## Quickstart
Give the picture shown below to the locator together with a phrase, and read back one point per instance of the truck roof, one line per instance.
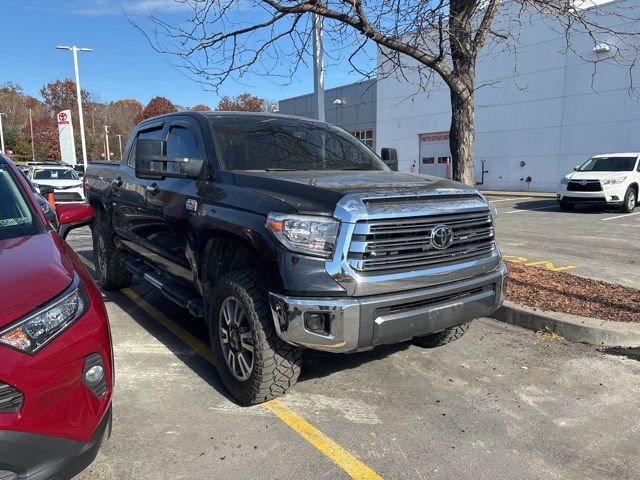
(208, 115)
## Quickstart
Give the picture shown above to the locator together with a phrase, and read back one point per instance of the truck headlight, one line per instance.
(564, 181)
(613, 181)
(306, 234)
(32, 333)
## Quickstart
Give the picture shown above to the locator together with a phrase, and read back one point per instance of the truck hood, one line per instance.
(34, 270)
(318, 192)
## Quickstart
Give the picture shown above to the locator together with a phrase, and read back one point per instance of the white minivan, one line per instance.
(610, 179)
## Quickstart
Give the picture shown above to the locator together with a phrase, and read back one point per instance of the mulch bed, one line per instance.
(566, 293)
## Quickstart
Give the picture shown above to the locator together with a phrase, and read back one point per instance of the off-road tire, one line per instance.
(441, 338)
(111, 275)
(567, 206)
(276, 364)
(629, 201)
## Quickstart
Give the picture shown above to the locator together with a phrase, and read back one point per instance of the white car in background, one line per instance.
(610, 180)
(67, 185)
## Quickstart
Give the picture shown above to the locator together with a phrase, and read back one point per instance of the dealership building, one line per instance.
(540, 110)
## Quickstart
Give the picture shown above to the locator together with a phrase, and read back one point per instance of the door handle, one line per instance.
(117, 182)
(152, 189)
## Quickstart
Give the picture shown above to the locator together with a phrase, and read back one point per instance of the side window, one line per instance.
(153, 132)
(182, 142)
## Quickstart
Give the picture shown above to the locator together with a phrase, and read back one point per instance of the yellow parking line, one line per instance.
(350, 464)
(341, 457)
(543, 263)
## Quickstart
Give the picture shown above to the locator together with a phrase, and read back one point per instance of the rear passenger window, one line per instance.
(154, 132)
(182, 142)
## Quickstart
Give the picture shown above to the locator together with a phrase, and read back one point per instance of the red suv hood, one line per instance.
(33, 270)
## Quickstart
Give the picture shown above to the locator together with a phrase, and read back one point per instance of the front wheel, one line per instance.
(441, 338)
(629, 202)
(255, 365)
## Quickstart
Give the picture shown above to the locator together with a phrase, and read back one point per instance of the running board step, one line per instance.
(171, 289)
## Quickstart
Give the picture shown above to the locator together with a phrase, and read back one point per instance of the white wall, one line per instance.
(552, 114)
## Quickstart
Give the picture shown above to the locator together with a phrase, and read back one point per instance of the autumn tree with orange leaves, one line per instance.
(200, 108)
(245, 102)
(156, 106)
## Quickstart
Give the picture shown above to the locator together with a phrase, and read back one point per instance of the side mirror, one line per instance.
(73, 215)
(390, 157)
(575, 169)
(152, 161)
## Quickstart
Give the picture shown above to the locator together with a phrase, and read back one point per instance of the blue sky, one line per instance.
(123, 64)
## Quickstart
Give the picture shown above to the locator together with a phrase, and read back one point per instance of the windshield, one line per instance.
(55, 174)
(272, 143)
(16, 217)
(608, 164)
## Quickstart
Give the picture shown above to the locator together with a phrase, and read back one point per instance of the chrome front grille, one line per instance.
(405, 243)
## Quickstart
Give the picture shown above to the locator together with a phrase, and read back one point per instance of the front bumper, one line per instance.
(610, 195)
(69, 195)
(361, 323)
(41, 457)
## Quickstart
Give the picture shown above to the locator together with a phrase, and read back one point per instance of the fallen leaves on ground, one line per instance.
(567, 293)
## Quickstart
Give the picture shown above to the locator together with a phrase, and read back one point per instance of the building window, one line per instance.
(365, 136)
(428, 160)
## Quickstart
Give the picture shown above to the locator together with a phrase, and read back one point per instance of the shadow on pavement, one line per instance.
(315, 364)
(631, 353)
(548, 205)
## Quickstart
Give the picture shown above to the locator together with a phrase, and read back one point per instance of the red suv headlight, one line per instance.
(31, 333)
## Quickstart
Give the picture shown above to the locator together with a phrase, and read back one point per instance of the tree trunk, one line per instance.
(462, 136)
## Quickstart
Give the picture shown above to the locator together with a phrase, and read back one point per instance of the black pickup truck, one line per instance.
(286, 233)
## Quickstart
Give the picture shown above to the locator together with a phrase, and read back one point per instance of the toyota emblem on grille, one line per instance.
(583, 182)
(441, 237)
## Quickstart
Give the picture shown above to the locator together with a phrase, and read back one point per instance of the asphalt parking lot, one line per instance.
(601, 244)
(501, 403)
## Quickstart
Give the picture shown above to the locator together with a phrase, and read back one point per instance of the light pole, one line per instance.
(106, 142)
(1, 135)
(33, 147)
(318, 65)
(120, 144)
(75, 51)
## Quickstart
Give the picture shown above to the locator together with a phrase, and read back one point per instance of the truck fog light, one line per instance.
(94, 375)
(315, 322)
(614, 197)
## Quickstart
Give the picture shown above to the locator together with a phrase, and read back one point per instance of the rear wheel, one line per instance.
(441, 338)
(111, 273)
(567, 206)
(255, 365)
(629, 202)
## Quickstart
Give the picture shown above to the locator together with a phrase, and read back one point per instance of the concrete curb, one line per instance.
(572, 327)
(501, 193)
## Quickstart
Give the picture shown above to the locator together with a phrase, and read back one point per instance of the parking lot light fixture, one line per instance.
(75, 51)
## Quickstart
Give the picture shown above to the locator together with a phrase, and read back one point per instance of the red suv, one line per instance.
(56, 362)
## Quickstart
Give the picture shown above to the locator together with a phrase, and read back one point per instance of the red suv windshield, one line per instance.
(17, 219)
